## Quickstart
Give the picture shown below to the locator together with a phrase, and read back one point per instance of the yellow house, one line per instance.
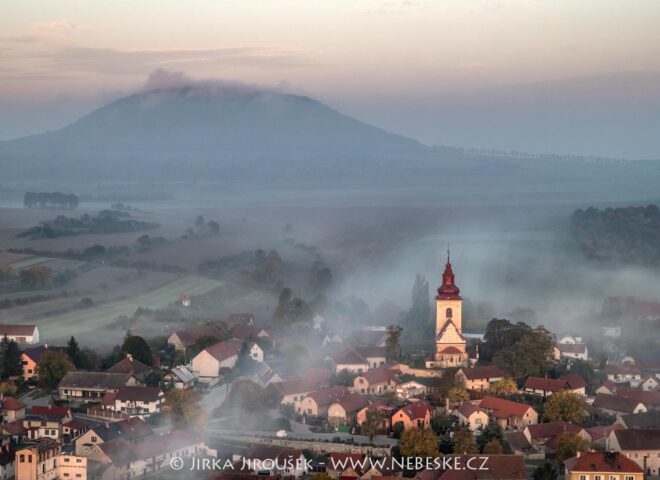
(642, 446)
(479, 378)
(471, 415)
(602, 466)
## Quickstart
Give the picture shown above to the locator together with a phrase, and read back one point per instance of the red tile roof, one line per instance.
(144, 394)
(466, 409)
(326, 396)
(415, 410)
(647, 398)
(572, 382)
(129, 365)
(551, 429)
(503, 408)
(17, 330)
(50, 411)
(224, 350)
(381, 375)
(497, 467)
(10, 403)
(615, 403)
(350, 357)
(607, 462)
(638, 439)
(352, 403)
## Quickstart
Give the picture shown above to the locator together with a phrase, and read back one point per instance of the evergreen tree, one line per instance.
(138, 348)
(392, 344)
(73, 351)
(420, 312)
(12, 365)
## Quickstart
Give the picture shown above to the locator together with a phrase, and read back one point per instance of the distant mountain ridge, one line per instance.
(203, 132)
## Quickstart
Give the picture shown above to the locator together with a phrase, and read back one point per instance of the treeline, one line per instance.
(50, 200)
(619, 235)
(105, 222)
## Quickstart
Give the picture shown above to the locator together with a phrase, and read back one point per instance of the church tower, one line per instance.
(450, 349)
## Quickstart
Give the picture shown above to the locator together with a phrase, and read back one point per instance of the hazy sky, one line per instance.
(390, 62)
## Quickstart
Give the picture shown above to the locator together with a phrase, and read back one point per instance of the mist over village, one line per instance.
(358, 240)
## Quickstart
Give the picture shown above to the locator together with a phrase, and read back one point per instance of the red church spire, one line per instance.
(448, 290)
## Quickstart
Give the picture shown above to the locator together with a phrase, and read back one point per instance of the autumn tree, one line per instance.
(372, 423)
(566, 406)
(491, 432)
(506, 386)
(530, 355)
(457, 395)
(464, 441)
(493, 447)
(52, 367)
(418, 443)
(568, 444)
(393, 342)
(182, 407)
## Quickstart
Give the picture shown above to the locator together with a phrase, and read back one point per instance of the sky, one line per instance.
(458, 72)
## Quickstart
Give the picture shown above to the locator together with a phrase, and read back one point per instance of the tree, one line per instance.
(464, 441)
(52, 367)
(491, 432)
(418, 443)
(568, 444)
(420, 310)
(457, 395)
(245, 397)
(7, 388)
(182, 407)
(529, 355)
(493, 447)
(566, 406)
(372, 423)
(392, 344)
(441, 423)
(11, 358)
(74, 353)
(506, 386)
(138, 348)
(546, 471)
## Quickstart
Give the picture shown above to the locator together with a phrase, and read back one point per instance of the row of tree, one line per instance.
(50, 200)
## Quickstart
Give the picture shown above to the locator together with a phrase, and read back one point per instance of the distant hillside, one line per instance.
(241, 133)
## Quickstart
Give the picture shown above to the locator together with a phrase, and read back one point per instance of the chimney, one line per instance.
(578, 453)
(130, 357)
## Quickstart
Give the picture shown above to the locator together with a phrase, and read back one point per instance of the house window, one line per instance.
(584, 477)
(629, 477)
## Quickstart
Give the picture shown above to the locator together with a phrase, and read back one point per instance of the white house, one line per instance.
(410, 389)
(207, 364)
(577, 351)
(21, 334)
(138, 402)
(255, 352)
(570, 339)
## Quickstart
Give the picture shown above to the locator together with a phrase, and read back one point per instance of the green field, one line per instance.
(97, 317)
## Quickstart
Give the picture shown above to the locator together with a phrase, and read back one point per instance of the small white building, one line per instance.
(180, 377)
(255, 352)
(207, 364)
(21, 334)
(138, 402)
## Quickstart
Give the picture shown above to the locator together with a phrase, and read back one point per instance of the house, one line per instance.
(291, 392)
(518, 444)
(83, 386)
(207, 363)
(414, 415)
(602, 466)
(179, 377)
(135, 401)
(131, 366)
(617, 405)
(578, 351)
(479, 378)
(15, 431)
(344, 410)
(620, 373)
(266, 375)
(131, 430)
(608, 388)
(182, 339)
(570, 340)
(124, 460)
(649, 384)
(507, 413)
(316, 403)
(255, 352)
(351, 361)
(547, 386)
(73, 429)
(45, 461)
(21, 334)
(410, 389)
(650, 419)
(384, 411)
(642, 446)
(376, 382)
(30, 358)
(374, 355)
(600, 434)
(651, 400)
(12, 409)
(282, 462)
(46, 422)
(541, 434)
(471, 415)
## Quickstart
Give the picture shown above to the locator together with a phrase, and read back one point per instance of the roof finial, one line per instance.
(447, 252)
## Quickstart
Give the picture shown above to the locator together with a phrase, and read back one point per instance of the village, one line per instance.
(231, 400)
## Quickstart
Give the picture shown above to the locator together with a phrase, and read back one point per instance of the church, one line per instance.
(450, 345)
